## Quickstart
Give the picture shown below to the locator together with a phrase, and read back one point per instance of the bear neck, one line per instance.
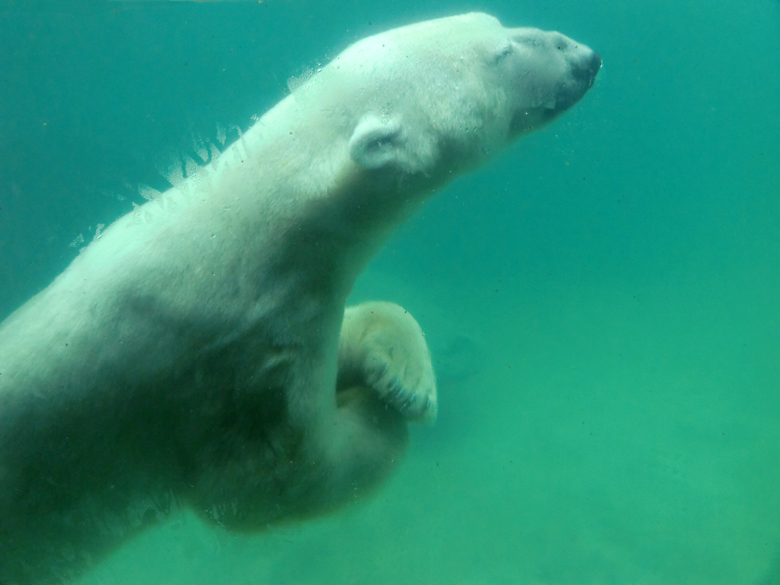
(328, 216)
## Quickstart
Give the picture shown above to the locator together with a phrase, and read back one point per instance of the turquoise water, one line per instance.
(601, 301)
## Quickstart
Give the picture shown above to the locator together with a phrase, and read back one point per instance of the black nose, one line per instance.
(595, 64)
(587, 69)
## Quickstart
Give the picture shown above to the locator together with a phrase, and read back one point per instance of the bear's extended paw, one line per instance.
(383, 347)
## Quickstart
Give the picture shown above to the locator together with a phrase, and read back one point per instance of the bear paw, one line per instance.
(383, 347)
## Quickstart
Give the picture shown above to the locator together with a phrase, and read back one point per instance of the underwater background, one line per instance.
(602, 301)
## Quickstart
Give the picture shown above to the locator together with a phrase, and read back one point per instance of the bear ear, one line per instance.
(377, 143)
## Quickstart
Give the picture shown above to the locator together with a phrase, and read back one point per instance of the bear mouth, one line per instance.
(583, 76)
(529, 119)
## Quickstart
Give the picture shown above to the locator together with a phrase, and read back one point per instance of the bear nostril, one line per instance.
(587, 68)
(594, 66)
(595, 63)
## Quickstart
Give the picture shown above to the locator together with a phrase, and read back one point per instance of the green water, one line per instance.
(601, 302)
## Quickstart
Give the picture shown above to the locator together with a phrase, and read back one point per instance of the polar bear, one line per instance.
(198, 353)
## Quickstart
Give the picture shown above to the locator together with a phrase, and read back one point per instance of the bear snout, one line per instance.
(586, 67)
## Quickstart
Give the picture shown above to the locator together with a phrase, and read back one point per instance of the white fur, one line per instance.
(190, 356)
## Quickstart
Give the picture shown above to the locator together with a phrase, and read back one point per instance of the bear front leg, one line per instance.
(385, 379)
(382, 347)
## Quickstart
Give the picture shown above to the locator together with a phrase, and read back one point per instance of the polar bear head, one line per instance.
(440, 96)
